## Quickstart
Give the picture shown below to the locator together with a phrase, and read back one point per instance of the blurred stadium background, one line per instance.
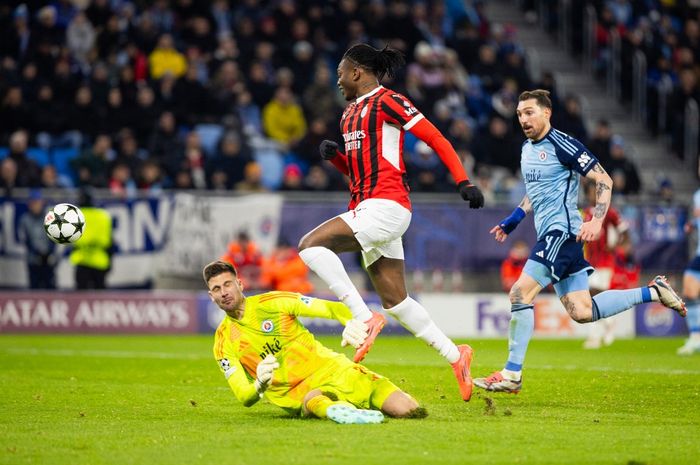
(194, 122)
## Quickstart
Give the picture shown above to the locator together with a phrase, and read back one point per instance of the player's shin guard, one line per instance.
(611, 303)
(329, 268)
(522, 325)
(415, 318)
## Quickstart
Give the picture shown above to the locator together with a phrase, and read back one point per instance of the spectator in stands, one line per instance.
(244, 254)
(41, 254)
(115, 116)
(121, 182)
(514, 263)
(91, 166)
(166, 59)
(50, 179)
(284, 270)
(317, 180)
(14, 113)
(319, 99)
(307, 148)
(570, 120)
(252, 179)
(687, 90)
(623, 172)
(150, 178)
(28, 170)
(497, 146)
(92, 254)
(82, 114)
(230, 161)
(600, 142)
(283, 118)
(129, 152)
(8, 177)
(427, 173)
(80, 38)
(292, 178)
(164, 143)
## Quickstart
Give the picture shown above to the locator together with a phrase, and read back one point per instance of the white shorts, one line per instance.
(600, 279)
(378, 225)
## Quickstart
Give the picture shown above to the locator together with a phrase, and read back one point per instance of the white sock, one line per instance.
(414, 317)
(329, 268)
(511, 375)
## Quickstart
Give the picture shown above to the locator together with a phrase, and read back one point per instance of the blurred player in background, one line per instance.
(92, 254)
(373, 126)
(691, 285)
(513, 264)
(245, 255)
(551, 162)
(602, 255)
(42, 255)
(263, 350)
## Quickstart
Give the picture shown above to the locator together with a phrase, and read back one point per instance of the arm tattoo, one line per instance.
(525, 204)
(600, 209)
(600, 188)
(598, 169)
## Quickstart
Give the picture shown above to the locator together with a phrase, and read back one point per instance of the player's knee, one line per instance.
(582, 313)
(306, 242)
(401, 405)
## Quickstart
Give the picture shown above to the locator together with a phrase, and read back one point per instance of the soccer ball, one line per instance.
(64, 223)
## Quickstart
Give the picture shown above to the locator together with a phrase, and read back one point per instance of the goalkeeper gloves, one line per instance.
(512, 221)
(354, 334)
(328, 149)
(470, 193)
(264, 373)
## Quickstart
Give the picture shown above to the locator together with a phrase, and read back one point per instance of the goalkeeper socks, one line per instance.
(329, 268)
(318, 406)
(611, 303)
(522, 325)
(414, 317)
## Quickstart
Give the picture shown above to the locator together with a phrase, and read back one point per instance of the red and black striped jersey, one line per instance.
(373, 128)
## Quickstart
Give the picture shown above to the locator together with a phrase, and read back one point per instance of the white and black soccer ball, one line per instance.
(64, 223)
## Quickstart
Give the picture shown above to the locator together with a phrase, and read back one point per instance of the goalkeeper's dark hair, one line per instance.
(216, 268)
(382, 62)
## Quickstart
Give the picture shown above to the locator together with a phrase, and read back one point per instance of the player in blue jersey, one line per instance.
(551, 163)
(691, 286)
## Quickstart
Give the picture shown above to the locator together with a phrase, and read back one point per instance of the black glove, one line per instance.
(328, 149)
(470, 193)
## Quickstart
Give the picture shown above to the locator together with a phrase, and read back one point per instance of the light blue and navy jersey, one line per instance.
(550, 167)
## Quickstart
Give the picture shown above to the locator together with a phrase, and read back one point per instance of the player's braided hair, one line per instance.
(381, 63)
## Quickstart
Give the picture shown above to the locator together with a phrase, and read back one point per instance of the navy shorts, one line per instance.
(560, 257)
(694, 265)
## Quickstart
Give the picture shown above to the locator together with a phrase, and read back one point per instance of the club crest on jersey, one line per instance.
(363, 113)
(267, 326)
(543, 156)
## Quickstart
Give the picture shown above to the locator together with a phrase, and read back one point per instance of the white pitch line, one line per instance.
(372, 361)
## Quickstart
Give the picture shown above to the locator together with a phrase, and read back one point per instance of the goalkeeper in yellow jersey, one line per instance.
(263, 350)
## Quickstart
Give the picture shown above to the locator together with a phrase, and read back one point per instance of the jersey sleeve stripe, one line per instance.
(565, 145)
(413, 122)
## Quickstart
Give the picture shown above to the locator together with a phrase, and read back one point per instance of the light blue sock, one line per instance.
(611, 303)
(522, 325)
(692, 319)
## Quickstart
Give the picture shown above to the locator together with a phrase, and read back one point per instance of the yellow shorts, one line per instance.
(344, 381)
(359, 386)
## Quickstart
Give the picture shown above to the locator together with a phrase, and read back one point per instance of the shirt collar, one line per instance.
(368, 94)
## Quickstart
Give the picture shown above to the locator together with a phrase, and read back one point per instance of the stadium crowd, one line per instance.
(222, 95)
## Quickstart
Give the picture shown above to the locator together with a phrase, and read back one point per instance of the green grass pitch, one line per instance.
(161, 400)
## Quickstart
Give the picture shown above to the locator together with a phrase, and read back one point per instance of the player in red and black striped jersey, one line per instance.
(373, 127)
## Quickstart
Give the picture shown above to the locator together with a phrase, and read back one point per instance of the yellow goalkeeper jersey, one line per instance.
(270, 325)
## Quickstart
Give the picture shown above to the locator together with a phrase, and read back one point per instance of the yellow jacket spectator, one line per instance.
(166, 59)
(283, 118)
(91, 254)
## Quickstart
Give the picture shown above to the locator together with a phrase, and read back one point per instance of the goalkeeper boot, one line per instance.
(348, 414)
(495, 382)
(462, 370)
(374, 326)
(667, 296)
